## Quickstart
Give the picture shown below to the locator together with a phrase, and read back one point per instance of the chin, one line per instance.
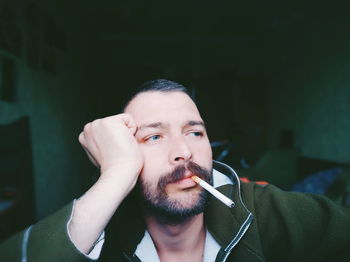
(186, 198)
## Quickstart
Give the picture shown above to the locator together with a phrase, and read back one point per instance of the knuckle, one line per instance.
(86, 128)
(95, 123)
(81, 138)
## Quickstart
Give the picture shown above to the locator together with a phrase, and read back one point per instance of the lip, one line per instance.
(186, 182)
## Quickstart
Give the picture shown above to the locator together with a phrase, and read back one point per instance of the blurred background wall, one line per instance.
(265, 74)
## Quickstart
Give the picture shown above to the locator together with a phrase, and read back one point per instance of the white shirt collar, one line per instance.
(219, 179)
(146, 250)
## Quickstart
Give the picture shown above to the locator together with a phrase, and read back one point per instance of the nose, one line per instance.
(179, 151)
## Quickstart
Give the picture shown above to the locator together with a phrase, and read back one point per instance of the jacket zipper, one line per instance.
(245, 225)
(237, 238)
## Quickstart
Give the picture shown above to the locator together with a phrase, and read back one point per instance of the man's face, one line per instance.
(175, 146)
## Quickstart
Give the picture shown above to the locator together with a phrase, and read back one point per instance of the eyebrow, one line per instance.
(151, 125)
(163, 126)
(194, 123)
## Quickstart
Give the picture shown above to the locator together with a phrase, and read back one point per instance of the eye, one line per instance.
(153, 138)
(197, 133)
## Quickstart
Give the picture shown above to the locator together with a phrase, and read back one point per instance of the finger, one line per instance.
(88, 145)
(81, 139)
(126, 119)
(129, 122)
(83, 143)
(91, 158)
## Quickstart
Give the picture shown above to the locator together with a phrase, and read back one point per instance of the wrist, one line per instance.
(121, 166)
(118, 177)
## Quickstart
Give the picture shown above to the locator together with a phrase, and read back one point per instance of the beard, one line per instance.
(174, 211)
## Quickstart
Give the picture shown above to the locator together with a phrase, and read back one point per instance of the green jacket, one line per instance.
(266, 224)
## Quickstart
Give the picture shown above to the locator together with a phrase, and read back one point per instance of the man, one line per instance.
(156, 212)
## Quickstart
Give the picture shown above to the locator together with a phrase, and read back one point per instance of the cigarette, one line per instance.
(224, 199)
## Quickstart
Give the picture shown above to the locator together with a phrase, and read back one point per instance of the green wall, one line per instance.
(315, 102)
(58, 107)
(308, 66)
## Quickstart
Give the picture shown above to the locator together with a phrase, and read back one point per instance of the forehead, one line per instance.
(154, 106)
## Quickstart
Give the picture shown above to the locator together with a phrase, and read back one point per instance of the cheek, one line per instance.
(148, 182)
(203, 156)
(153, 166)
(209, 151)
(204, 150)
(154, 156)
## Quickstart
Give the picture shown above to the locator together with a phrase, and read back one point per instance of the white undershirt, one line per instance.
(146, 250)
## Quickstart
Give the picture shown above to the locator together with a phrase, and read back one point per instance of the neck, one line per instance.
(184, 239)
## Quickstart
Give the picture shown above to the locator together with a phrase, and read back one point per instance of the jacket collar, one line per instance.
(233, 226)
(223, 222)
(227, 225)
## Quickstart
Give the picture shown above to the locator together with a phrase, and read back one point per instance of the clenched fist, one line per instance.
(110, 143)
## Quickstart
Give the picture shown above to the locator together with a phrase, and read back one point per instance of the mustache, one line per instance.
(179, 173)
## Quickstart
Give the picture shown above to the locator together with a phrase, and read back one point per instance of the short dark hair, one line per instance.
(159, 85)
